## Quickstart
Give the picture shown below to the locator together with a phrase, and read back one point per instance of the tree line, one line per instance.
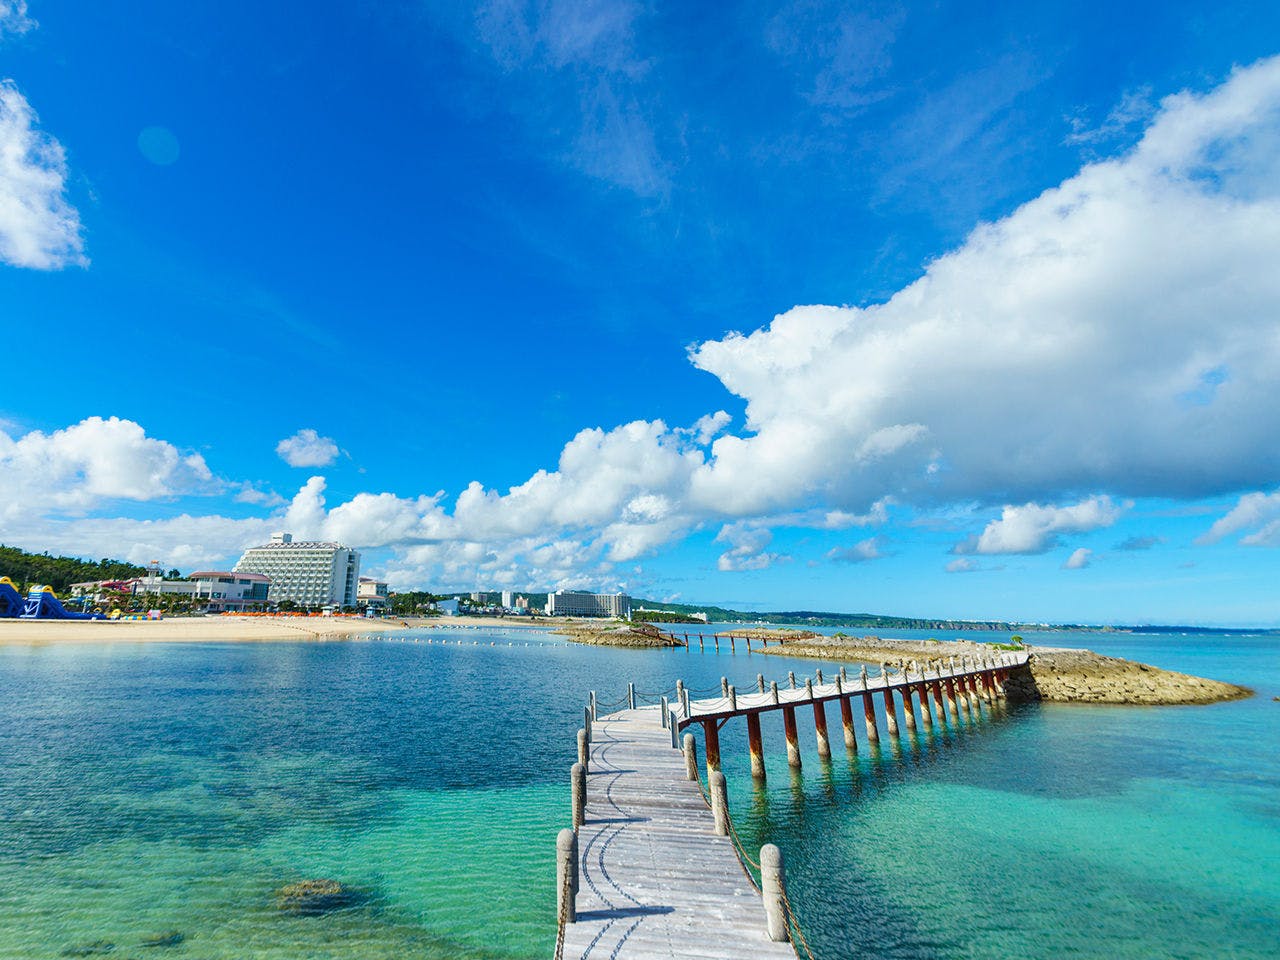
(28, 569)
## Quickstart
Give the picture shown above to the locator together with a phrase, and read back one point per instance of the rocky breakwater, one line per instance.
(1052, 674)
(1082, 676)
(619, 635)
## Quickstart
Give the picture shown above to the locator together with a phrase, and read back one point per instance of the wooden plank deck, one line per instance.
(655, 881)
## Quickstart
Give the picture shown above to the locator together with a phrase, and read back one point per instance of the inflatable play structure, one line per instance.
(39, 604)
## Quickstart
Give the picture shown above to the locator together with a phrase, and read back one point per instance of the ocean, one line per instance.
(166, 792)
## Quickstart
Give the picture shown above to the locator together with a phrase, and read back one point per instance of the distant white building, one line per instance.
(373, 594)
(579, 603)
(223, 589)
(308, 572)
(507, 600)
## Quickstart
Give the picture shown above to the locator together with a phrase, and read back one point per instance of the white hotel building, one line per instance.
(308, 572)
(578, 603)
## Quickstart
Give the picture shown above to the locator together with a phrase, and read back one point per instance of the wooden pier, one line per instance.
(652, 871)
(655, 881)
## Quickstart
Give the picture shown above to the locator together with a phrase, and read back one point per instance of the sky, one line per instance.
(890, 308)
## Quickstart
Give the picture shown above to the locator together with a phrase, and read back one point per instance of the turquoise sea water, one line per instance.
(156, 788)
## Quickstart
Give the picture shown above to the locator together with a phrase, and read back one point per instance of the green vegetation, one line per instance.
(25, 569)
(413, 603)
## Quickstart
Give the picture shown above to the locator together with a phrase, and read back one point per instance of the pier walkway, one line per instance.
(655, 879)
(652, 871)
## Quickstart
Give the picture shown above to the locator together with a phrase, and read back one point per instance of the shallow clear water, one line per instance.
(153, 788)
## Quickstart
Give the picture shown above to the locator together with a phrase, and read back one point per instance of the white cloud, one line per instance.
(1033, 528)
(1083, 343)
(1257, 511)
(38, 227)
(1079, 559)
(13, 17)
(307, 448)
(863, 550)
(961, 565)
(82, 466)
(747, 548)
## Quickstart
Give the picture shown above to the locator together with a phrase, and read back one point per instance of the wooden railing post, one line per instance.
(690, 756)
(719, 802)
(773, 884)
(631, 696)
(755, 745)
(578, 793)
(584, 750)
(566, 875)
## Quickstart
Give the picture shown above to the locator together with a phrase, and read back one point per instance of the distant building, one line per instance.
(506, 600)
(578, 603)
(476, 596)
(223, 589)
(308, 572)
(372, 594)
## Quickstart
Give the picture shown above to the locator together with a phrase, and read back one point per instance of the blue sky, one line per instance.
(861, 307)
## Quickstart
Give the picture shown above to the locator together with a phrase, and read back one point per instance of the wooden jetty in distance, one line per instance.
(652, 867)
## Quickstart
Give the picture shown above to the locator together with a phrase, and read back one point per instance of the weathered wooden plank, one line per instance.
(655, 880)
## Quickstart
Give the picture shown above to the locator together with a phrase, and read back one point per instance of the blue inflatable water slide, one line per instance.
(39, 604)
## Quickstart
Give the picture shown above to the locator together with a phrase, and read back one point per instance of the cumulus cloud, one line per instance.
(38, 227)
(747, 548)
(307, 448)
(1033, 528)
(97, 460)
(961, 565)
(868, 549)
(1083, 343)
(1079, 559)
(1259, 512)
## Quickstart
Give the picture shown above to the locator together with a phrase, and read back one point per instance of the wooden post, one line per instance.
(908, 706)
(724, 686)
(773, 688)
(922, 689)
(690, 757)
(820, 725)
(935, 685)
(586, 722)
(760, 681)
(711, 735)
(952, 708)
(664, 712)
(808, 688)
(631, 695)
(732, 646)
(716, 638)
(817, 674)
(700, 647)
(566, 875)
(846, 720)
(718, 788)
(733, 698)
(791, 675)
(584, 750)
(594, 714)
(680, 692)
(756, 744)
(793, 741)
(844, 675)
(685, 692)
(868, 710)
(578, 794)
(674, 723)
(890, 718)
(773, 882)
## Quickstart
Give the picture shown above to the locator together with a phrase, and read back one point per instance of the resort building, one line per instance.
(578, 603)
(308, 572)
(222, 589)
(373, 595)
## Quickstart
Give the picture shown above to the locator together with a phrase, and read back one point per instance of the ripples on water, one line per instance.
(146, 789)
